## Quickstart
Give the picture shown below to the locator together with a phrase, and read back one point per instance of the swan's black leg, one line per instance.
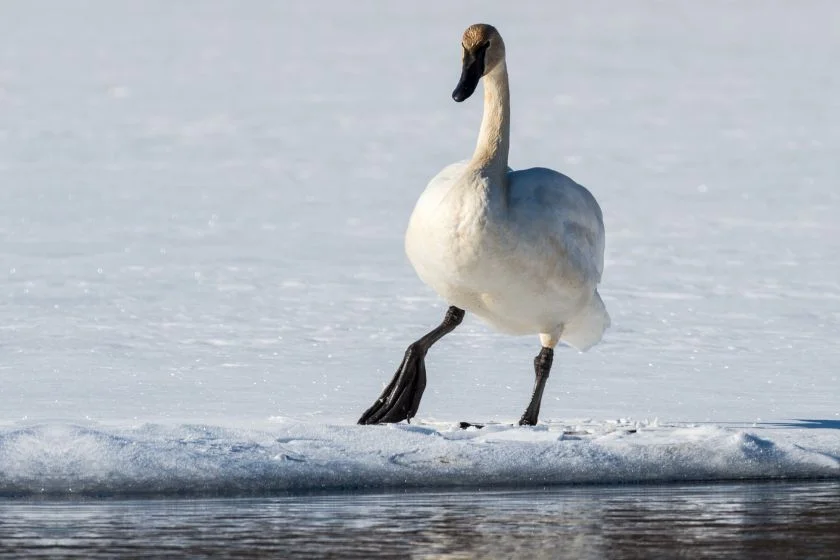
(401, 398)
(542, 366)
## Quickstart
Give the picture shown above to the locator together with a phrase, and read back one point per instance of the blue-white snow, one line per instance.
(199, 459)
(201, 265)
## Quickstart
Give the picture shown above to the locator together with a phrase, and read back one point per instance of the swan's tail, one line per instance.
(586, 329)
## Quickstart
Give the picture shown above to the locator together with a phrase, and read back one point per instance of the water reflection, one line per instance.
(738, 520)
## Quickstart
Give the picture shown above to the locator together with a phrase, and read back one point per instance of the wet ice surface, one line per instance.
(736, 521)
(202, 211)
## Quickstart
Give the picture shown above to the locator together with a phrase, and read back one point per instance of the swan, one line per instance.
(522, 250)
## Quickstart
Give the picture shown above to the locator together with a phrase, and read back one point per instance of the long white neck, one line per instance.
(491, 151)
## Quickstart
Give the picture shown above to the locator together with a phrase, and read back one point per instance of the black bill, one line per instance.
(471, 73)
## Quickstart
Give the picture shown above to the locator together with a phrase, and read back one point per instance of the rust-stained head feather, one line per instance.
(478, 34)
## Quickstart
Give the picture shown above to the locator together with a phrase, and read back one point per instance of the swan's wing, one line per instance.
(438, 188)
(558, 220)
(447, 176)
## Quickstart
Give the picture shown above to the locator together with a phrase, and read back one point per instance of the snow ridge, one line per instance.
(190, 459)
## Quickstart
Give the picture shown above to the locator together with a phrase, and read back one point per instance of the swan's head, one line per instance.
(484, 50)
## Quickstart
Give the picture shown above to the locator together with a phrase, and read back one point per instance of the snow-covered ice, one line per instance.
(201, 217)
(294, 456)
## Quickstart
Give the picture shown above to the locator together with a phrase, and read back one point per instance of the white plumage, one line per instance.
(526, 257)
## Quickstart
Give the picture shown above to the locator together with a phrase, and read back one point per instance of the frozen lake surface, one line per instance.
(201, 219)
(719, 521)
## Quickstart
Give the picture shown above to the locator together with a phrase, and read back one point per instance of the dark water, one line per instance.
(788, 520)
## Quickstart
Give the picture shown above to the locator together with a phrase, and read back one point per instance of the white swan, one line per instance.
(523, 250)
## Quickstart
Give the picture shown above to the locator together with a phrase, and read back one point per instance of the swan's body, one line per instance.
(525, 256)
(523, 250)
